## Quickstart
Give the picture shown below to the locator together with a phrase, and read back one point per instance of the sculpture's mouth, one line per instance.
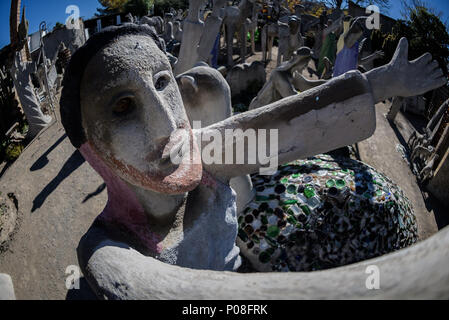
(176, 171)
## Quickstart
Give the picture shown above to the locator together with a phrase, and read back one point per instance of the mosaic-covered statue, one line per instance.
(121, 107)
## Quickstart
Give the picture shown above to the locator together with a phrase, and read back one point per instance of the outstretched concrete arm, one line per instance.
(332, 115)
(337, 113)
(302, 84)
(115, 271)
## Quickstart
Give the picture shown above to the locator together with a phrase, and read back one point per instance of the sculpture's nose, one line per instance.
(175, 146)
(160, 119)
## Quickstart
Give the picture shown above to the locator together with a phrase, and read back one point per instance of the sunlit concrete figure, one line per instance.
(286, 80)
(122, 108)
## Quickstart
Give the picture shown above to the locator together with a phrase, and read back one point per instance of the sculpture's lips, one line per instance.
(169, 178)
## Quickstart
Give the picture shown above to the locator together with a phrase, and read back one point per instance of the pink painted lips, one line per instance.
(169, 177)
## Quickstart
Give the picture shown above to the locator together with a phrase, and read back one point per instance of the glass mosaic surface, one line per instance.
(322, 213)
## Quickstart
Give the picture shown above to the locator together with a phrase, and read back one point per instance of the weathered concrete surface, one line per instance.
(6, 288)
(8, 219)
(54, 188)
(418, 272)
(380, 152)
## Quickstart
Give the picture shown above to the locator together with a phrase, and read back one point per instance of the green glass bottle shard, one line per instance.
(340, 183)
(330, 183)
(264, 257)
(306, 209)
(309, 192)
(273, 231)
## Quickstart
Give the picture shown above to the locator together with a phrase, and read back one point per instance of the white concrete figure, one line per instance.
(212, 27)
(20, 73)
(235, 21)
(191, 35)
(177, 33)
(126, 115)
(286, 80)
(207, 98)
(156, 22)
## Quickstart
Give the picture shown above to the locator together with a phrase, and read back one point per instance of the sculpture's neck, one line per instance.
(130, 208)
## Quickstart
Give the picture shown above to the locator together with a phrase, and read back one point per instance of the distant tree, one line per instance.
(138, 8)
(425, 32)
(408, 6)
(111, 7)
(161, 6)
(383, 4)
(58, 26)
(135, 7)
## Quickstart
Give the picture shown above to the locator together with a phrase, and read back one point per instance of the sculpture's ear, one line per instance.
(185, 81)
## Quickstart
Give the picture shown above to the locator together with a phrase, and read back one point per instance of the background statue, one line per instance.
(235, 21)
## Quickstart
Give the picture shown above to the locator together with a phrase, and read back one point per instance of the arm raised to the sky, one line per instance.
(337, 113)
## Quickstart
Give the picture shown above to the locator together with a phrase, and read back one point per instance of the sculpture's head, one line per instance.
(121, 102)
(298, 61)
(346, 23)
(355, 31)
(294, 24)
(168, 16)
(206, 95)
(299, 9)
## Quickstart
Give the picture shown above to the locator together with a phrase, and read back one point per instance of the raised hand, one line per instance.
(404, 78)
(415, 77)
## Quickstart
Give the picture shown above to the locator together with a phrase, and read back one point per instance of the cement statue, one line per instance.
(121, 107)
(286, 80)
(292, 40)
(212, 26)
(207, 98)
(156, 22)
(192, 30)
(235, 21)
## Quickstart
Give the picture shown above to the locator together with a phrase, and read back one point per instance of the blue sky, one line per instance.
(53, 11)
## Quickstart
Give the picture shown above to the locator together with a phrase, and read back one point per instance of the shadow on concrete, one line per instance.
(73, 163)
(83, 293)
(439, 210)
(431, 203)
(43, 160)
(99, 190)
(7, 165)
(401, 139)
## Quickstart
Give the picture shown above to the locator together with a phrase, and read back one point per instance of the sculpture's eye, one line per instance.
(162, 80)
(123, 106)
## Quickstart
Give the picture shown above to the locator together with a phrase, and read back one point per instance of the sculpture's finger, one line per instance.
(438, 73)
(424, 59)
(441, 81)
(434, 65)
(435, 84)
(401, 53)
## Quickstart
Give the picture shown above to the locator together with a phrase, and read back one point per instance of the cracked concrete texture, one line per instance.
(52, 184)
